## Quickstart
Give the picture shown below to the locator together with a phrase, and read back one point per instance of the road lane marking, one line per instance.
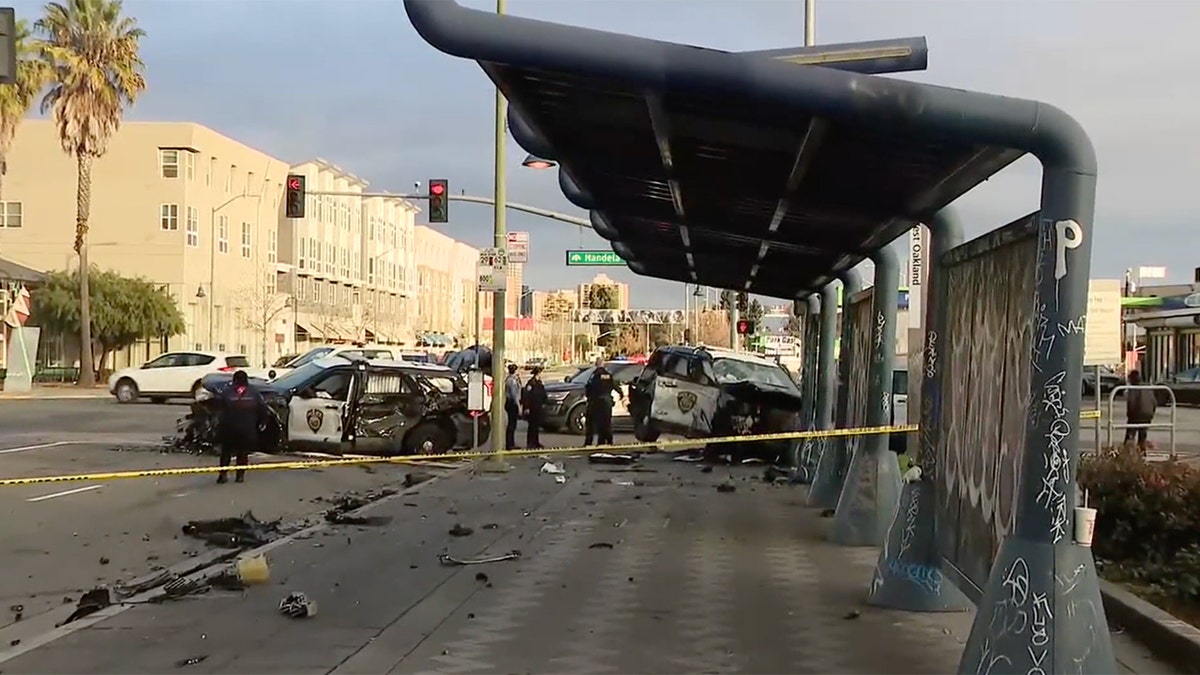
(23, 448)
(64, 493)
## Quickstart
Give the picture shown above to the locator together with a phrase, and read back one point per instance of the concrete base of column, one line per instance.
(1041, 612)
(830, 475)
(810, 456)
(908, 575)
(869, 498)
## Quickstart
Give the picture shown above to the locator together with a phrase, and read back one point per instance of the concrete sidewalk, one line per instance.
(651, 572)
(51, 392)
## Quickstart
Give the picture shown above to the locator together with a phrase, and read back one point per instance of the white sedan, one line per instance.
(172, 375)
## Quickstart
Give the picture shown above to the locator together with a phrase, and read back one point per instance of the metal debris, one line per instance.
(93, 601)
(610, 458)
(447, 559)
(244, 532)
(298, 606)
(190, 661)
(726, 487)
(601, 544)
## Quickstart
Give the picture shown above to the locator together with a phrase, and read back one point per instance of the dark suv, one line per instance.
(567, 407)
(702, 392)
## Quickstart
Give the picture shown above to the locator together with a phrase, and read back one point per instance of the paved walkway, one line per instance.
(664, 575)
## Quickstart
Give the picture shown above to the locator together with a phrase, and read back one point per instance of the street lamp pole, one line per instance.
(501, 241)
(810, 23)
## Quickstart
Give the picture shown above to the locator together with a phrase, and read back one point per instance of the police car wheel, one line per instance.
(427, 439)
(577, 419)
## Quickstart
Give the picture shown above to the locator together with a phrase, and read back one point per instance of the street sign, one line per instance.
(916, 275)
(493, 270)
(518, 247)
(1102, 325)
(593, 259)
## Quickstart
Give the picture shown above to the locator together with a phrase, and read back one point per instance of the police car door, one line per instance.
(678, 400)
(316, 412)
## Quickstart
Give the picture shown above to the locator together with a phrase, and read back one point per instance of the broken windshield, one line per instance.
(737, 370)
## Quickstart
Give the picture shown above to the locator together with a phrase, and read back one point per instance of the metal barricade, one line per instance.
(1113, 424)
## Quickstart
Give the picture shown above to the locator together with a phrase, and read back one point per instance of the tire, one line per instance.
(126, 391)
(195, 388)
(577, 419)
(427, 438)
(643, 431)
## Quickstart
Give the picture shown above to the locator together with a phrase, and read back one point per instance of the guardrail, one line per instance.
(1113, 424)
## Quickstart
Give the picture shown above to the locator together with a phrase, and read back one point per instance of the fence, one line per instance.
(986, 392)
(1112, 417)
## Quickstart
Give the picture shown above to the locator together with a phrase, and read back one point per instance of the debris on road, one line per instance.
(447, 559)
(191, 661)
(104, 561)
(93, 601)
(416, 478)
(298, 606)
(726, 487)
(459, 531)
(601, 544)
(560, 479)
(852, 615)
(252, 570)
(552, 469)
(610, 458)
(621, 482)
(18, 612)
(244, 532)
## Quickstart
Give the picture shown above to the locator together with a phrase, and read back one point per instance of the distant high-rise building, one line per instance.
(622, 291)
(526, 301)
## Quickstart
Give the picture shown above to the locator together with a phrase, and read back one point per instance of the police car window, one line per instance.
(441, 383)
(677, 366)
(386, 384)
(584, 375)
(337, 385)
(376, 354)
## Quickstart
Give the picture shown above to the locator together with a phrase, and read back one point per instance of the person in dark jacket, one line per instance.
(533, 398)
(599, 394)
(242, 408)
(512, 406)
(1140, 406)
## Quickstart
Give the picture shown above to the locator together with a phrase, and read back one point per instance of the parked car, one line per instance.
(1109, 380)
(567, 407)
(172, 375)
(897, 442)
(702, 392)
(349, 351)
(340, 405)
(536, 362)
(1186, 386)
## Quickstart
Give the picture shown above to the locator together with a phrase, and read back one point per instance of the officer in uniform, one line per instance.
(242, 408)
(534, 398)
(599, 393)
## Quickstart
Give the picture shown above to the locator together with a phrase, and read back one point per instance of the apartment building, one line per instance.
(558, 305)
(175, 202)
(584, 291)
(435, 260)
(465, 294)
(389, 258)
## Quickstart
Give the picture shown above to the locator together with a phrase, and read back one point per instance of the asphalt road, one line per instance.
(62, 539)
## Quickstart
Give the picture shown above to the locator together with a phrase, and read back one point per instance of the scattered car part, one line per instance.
(447, 559)
(298, 606)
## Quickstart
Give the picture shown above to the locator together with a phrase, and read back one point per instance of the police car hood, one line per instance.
(555, 387)
(765, 393)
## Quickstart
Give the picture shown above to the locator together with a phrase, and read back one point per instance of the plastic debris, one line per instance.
(560, 479)
(298, 606)
(610, 458)
(190, 661)
(244, 532)
(552, 468)
(93, 601)
(447, 559)
(912, 475)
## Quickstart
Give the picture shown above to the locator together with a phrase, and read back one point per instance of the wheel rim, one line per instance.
(124, 393)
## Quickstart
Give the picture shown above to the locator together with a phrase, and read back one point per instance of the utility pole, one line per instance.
(501, 241)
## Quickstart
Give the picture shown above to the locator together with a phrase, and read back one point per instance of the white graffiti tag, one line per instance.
(931, 355)
(1054, 482)
(1068, 235)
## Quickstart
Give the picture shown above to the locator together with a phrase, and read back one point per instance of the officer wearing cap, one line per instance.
(599, 393)
(534, 399)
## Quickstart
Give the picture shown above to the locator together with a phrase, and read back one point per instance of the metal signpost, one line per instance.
(518, 247)
(580, 258)
(493, 270)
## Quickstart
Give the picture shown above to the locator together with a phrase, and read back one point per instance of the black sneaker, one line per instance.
(240, 479)
(222, 479)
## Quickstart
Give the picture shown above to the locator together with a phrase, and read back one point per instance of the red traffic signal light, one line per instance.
(744, 327)
(439, 209)
(294, 196)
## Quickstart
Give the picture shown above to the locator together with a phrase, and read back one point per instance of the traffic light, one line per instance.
(439, 200)
(294, 202)
(745, 327)
(743, 301)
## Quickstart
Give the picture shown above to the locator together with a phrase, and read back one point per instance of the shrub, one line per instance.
(1147, 522)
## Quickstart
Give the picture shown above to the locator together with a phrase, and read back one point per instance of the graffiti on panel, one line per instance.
(986, 375)
(859, 374)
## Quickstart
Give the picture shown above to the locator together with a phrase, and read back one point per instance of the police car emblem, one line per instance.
(686, 400)
(315, 417)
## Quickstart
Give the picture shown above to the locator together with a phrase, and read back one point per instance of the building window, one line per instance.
(212, 170)
(189, 163)
(272, 246)
(223, 234)
(168, 162)
(11, 215)
(229, 179)
(193, 227)
(245, 240)
(169, 217)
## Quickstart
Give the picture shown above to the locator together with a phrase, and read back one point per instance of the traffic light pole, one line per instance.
(523, 208)
(499, 298)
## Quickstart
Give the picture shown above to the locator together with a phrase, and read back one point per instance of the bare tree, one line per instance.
(261, 305)
(364, 319)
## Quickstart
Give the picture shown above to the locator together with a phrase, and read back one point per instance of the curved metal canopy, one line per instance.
(734, 170)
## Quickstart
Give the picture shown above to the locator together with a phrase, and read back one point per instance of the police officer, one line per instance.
(242, 408)
(599, 393)
(512, 406)
(534, 398)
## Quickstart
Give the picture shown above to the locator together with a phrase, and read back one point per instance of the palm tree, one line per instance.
(16, 99)
(95, 72)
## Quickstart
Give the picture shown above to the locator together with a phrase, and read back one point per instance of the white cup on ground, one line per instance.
(1085, 525)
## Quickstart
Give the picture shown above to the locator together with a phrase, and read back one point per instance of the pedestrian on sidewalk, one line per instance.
(534, 399)
(512, 406)
(1140, 406)
(242, 410)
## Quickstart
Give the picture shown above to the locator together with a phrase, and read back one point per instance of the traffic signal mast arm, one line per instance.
(533, 210)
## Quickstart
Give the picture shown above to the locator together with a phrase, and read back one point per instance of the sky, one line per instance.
(352, 82)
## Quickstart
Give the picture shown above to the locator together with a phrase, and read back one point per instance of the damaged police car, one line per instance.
(340, 405)
(702, 392)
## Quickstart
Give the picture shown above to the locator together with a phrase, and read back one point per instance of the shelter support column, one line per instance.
(824, 383)
(869, 498)
(908, 575)
(802, 451)
(831, 469)
(1041, 610)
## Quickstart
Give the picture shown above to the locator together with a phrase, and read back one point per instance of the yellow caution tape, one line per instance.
(657, 446)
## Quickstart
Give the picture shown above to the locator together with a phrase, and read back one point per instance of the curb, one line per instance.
(1171, 639)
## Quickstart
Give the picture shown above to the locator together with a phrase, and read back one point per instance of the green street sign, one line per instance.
(593, 258)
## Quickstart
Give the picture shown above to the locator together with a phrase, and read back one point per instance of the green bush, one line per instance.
(1148, 521)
